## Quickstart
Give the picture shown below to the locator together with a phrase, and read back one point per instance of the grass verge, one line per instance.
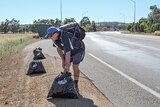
(13, 43)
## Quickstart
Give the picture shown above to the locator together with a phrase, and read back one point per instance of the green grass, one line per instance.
(14, 42)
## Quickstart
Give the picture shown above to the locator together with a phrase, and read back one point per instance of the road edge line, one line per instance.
(128, 77)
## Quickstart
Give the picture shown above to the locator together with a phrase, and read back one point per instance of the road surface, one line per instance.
(126, 68)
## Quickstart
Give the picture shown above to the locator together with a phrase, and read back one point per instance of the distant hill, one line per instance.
(111, 26)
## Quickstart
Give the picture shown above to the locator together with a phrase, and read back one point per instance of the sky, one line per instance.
(27, 11)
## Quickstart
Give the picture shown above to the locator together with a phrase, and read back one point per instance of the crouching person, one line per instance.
(70, 49)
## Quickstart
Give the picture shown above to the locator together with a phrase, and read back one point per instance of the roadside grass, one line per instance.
(14, 42)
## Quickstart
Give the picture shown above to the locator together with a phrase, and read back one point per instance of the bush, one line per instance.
(155, 27)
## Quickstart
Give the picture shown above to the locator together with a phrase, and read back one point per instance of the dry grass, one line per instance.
(13, 42)
(157, 33)
(11, 37)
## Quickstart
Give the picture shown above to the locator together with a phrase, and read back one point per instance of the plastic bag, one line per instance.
(36, 67)
(63, 86)
(38, 54)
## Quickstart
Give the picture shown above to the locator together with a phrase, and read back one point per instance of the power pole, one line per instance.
(61, 10)
(134, 13)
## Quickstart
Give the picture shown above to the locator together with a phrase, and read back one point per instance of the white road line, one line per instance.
(128, 77)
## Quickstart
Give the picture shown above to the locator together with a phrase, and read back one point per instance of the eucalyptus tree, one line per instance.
(14, 25)
(68, 20)
(5, 26)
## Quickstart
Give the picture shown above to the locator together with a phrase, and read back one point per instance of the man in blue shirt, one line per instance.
(69, 48)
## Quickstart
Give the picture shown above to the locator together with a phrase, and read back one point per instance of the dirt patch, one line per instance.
(20, 90)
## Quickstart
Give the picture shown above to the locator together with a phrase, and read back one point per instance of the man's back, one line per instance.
(71, 43)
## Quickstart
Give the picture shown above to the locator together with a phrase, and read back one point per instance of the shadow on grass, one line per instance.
(80, 102)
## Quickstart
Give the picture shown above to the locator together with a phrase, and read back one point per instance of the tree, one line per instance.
(51, 22)
(33, 28)
(154, 18)
(130, 27)
(5, 26)
(69, 20)
(143, 24)
(85, 21)
(93, 26)
(57, 22)
(150, 24)
(86, 24)
(154, 15)
(155, 27)
(14, 25)
(88, 28)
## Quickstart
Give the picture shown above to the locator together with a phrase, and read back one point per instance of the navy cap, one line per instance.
(51, 30)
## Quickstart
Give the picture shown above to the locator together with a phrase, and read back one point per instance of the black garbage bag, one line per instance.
(63, 86)
(36, 67)
(38, 54)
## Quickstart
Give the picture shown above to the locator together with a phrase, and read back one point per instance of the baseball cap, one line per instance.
(51, 30)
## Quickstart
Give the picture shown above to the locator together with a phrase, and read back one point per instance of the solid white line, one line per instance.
(128, 77)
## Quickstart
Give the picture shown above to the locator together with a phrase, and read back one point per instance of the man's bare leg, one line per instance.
(76, 75)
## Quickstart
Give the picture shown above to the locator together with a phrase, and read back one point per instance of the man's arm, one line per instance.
(66, 38)
(65, 61)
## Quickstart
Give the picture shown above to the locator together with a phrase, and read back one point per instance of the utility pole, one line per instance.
(84, 13)
(134, 13)
(61, 10)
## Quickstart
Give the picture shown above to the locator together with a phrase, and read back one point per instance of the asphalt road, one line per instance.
(125, 68)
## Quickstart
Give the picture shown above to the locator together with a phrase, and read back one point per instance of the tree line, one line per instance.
(149, 24)
(14, 26)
